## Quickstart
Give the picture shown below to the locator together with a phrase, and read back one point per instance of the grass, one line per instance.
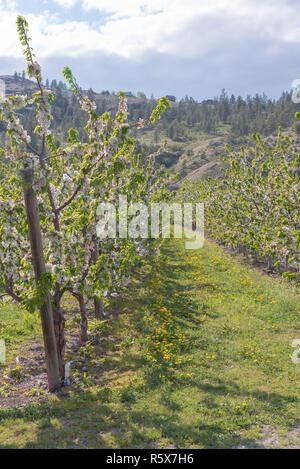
(16, 327)
(199, 358)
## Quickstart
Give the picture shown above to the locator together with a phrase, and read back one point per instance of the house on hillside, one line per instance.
(170, 97)
(209, 102)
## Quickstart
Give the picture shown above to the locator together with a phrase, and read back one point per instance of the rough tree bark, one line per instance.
(98, 303)
(84, 319)
(39, 266)
(59, 328)
(98, 308)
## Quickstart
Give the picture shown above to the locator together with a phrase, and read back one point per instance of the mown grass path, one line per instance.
(200, 357)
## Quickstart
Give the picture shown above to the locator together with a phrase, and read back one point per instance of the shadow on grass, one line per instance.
(110, 418)
(99, 426)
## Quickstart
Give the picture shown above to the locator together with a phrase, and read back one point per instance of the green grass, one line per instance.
(17, 326)
(199, 358)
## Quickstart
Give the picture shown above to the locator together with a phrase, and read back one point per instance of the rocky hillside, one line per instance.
(17, 85)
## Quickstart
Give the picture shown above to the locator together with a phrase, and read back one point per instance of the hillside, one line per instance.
(205, 157)
(18, 85)
(195, 133)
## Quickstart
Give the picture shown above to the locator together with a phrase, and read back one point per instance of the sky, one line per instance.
(176, 47)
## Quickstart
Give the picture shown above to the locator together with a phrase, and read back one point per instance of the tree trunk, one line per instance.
(59, 328)
(286, 263)
(270, 262)
(98, 308)
(38, 261)
(84, 319)
(98, 304)
(245, 251)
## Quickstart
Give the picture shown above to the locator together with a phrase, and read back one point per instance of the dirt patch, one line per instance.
(271, 438)
(211, 166)
(24, 380)
(113, 430)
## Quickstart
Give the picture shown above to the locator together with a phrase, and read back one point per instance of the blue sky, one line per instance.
(191, 47)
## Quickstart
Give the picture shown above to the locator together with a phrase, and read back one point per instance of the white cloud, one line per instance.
(66, 3)
(9, 4)
(135, 28)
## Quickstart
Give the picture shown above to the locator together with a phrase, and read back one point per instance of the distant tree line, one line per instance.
(239, 116)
